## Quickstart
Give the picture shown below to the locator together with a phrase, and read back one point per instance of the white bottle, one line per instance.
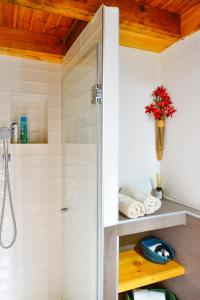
(14, 133)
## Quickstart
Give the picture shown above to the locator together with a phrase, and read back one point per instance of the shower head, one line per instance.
(4, 133)
(4, 136)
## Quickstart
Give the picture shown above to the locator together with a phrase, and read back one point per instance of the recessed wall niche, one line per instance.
(35, 107)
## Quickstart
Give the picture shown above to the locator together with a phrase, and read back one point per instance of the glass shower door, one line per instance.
(82, 112)
(89, 72)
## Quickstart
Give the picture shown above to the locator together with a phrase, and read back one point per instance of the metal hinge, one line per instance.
(97, 94)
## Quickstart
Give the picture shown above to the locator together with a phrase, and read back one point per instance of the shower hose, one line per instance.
(6, 189)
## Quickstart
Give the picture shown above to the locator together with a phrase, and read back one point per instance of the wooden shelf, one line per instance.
(135, 271)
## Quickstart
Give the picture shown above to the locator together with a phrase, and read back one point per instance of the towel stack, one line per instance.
(133, 203)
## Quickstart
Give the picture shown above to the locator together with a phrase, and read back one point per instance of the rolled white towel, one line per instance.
(130, 207)
(151, 204)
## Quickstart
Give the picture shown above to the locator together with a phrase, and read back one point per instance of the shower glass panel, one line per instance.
(82, 220)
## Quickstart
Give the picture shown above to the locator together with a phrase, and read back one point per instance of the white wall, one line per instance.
(181, 164)
(31, 268)
(139, 76)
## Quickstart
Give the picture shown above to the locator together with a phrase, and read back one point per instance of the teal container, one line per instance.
(24, 130)
(147, 242)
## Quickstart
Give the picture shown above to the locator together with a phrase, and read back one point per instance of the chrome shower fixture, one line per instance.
(5, 136)
(4, 133)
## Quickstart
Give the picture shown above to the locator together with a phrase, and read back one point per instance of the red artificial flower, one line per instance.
(150, 108)
(162, 105)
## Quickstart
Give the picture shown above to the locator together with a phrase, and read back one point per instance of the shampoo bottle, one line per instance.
(14, 133)
(23, 129)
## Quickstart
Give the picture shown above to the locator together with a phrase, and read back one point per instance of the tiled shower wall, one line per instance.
(31, 269)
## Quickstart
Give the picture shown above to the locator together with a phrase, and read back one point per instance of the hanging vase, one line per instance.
(160, 129)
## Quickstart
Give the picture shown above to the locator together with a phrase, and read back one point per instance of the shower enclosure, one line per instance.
(87, 88)
(62, 203)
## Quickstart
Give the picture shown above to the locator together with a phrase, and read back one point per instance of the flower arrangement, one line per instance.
(162, 105)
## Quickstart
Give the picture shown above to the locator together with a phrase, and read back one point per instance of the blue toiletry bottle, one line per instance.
(24, 131)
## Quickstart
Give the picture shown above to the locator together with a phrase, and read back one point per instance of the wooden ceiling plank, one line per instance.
(1, 13)
(7, 15)
(64, 26)
(166, 4)
(58, 21)
(132, 12)
(51, 24)
(46, 24)
(156, 3)
(15, 16)
(39, 20)
(24, 18)
(190, 22)
(31, 23)
(177, 5)
(188, 7)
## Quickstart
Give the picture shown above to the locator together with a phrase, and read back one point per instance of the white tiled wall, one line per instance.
(31, 269)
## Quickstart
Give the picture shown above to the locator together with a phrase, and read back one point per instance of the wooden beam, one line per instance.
(190, 21)
(35, 55)
(132, 13)
(152, 42)
(31, 44)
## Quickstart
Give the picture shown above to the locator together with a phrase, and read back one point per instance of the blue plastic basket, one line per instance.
(151, 255)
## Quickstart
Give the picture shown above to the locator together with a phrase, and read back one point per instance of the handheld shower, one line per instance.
(4, 136)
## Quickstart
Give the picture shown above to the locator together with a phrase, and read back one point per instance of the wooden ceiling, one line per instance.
(45, 29)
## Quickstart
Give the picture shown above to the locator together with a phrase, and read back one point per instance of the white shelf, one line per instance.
(171, 214)
(13, 144)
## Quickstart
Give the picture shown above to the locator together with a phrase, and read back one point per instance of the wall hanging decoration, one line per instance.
(160, 108)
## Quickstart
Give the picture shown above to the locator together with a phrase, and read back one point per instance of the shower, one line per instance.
(4, 136)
